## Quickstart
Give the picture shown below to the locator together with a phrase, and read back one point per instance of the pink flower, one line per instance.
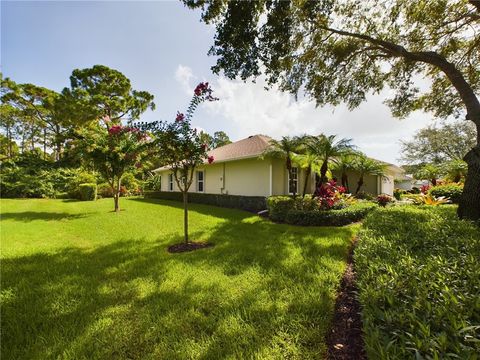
(180, 117)
(210, 159)
(201, 89)
(115, 129)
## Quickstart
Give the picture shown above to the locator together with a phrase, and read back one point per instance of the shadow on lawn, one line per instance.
(27, 216)
(132, 299)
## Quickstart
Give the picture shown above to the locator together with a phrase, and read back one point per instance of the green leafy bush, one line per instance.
(279, 206)
(249, 203)
(345, 216)
(451, 191)
(419, 284)
(398, 193)
(305, 211)
(88, 192)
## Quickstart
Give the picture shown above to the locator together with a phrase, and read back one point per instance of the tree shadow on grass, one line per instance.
(263, 287)
(27, 216)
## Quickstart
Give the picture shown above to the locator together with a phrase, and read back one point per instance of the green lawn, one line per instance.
(80, 282)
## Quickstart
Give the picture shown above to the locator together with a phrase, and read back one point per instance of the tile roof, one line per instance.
(250, 147)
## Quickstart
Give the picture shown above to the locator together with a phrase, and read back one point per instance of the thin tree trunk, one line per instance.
(434, 182)
(185, 216)
(469, 206)
(44, 144)
(345, 181)
(116, 196)
(307, 176)
(360, 184)
(323, 172)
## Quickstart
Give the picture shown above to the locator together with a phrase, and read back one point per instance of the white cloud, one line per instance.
(246, 108)
(184, 77)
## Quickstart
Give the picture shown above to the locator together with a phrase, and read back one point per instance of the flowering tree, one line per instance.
(114, 150)
(181, 146)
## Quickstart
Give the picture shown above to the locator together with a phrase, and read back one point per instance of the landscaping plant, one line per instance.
(419, 284)
(180, 146)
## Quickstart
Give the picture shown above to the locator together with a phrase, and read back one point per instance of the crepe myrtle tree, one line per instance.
(114, 150)
(182, 147)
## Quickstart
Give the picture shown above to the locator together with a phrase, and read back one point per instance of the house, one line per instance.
(240, 169)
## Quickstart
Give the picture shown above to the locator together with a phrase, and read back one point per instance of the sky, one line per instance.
(161, 46)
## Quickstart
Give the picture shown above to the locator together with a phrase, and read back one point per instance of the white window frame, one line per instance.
(295, 179)
(198, 181)
(170, 182)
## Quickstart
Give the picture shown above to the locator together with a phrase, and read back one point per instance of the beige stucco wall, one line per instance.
(249, 177)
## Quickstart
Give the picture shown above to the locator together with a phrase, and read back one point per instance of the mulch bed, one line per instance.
(345, 339)
(191, 246)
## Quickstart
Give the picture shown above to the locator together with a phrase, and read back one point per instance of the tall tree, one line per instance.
(220, 138)
(341, 51)
(367, 166)
(343, 164)
(285, 148)
(327, 149)
(40, 110)
(439, 144)
(100, 92)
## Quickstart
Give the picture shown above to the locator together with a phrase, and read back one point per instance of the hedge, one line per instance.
(451, 191)
(285, 209)
(419, 284)
(87, 192)
(341, 217)
(249, 203)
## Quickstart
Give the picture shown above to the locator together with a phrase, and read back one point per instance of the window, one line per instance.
(170, 182)
(293, 182)
(200, 181)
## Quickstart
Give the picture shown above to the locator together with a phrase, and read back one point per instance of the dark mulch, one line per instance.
(191, 246)
(345, 339)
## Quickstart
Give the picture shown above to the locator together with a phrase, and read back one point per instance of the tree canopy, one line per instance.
(340, 51)
(439, 144)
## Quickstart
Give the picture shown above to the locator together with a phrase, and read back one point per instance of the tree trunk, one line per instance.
(323, 172)
(44, 144)
(360, 184)
(457, 178)
(185, 216)
(434, 182)
(116, 196)
(307, 176)
(469, 206)
(345, 181)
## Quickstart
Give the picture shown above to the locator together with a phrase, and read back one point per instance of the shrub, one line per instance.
(249, 203)
(364, 196)
(88, 192)
(450, 191)
(104, 190)
(340, 217)
(384, 199)
(279, 206)
(153, 183)
(328, 194)
(418, 279)
(398, 193)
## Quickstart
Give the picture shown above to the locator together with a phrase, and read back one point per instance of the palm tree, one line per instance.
(456, 170)
(367, 166)
(429, 172)
(310, 164)
(344, 163)
(285, 148)
(326, 149)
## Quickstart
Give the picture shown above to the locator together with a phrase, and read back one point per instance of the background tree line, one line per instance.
(42, 132)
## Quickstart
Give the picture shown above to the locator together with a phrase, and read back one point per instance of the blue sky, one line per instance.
(161, 46)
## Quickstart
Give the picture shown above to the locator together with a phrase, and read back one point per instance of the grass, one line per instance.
(80, 282)
(419, 280)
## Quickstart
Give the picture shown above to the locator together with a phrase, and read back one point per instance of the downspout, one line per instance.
(270, 192)
(222, 189)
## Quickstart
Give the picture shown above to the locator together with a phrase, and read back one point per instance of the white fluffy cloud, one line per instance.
(246, 108)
